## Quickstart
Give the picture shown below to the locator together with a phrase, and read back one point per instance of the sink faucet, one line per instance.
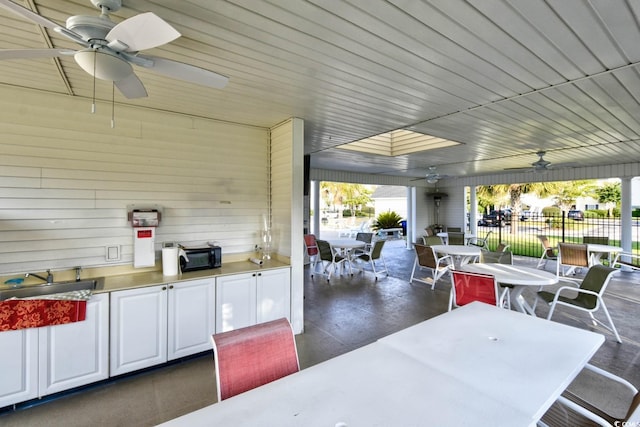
(48, 279)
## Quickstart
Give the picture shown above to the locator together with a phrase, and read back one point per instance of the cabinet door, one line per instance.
(77, 353)
(138, 329)
(235, 301)
(191, 317)
(18, 366)
(274, 294)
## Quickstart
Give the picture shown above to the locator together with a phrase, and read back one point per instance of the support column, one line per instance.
(626, 236)
(315, 206)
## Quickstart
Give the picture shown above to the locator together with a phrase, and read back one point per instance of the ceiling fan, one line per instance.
(109, 49)
(542, 165)
(432, 176)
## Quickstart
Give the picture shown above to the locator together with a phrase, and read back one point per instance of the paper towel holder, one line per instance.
(144, 216)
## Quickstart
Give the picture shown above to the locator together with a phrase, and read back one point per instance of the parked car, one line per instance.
(575, 215)
(496, 218)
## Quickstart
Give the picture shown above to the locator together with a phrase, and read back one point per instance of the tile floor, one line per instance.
(340, 315)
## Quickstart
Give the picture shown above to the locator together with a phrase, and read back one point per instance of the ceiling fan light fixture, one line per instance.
(432, 179)
(107, 66)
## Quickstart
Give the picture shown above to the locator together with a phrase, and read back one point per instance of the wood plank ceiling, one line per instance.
(503, 78)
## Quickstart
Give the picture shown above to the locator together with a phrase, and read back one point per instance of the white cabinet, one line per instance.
(18, 366)
(191, 317)
(39, 361)
(274, 294)
(250, 298)
(77, 353)
(138, 329)
(152, 325)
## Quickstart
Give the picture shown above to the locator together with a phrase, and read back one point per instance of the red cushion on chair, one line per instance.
(253, 356)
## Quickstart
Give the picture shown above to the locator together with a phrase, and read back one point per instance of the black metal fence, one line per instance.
(521, 234)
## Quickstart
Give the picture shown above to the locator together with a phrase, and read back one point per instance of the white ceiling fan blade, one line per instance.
(26, 13)
(189, 73)
(41, 20)
(131, 87)
(33, 53)
(143, 31)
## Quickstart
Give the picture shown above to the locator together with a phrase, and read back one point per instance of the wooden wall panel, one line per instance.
(66, 178)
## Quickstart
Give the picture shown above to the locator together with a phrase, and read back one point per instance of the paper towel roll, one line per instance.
(170, 261)
(256, 261)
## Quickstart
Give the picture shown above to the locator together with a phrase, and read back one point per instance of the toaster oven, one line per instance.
(200, 258)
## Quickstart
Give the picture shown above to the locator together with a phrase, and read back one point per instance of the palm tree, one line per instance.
(515, 192)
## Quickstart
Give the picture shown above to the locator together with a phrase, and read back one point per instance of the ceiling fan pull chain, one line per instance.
(113, 105)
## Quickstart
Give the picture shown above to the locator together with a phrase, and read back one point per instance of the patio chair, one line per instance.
(468, 287)
(371, 256)
(454, 229)
(599, 396)
(330, 259)
(455, 238)
(366, 238)
(311, 249)
(589, 295)
(249, 357)
(502, 247)
(598, 240)
(548, 252)
(500, 257)
(481, 242)
(432, 240)
(572, 255)
(427, 258)
(627, 259)
(496, 257)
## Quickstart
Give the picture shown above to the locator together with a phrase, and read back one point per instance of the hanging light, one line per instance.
(103, 64)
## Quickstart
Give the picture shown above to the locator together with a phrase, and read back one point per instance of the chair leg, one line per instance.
(413, 272)
(613, 327)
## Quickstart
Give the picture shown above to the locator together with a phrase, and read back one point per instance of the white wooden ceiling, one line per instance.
(503, 78)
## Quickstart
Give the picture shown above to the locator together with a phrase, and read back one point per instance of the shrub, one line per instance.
(388, 219)
(594, 213)
(346, 213)
(635, 213)
(551, 211)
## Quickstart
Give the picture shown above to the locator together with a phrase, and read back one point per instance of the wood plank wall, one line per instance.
(66, 178)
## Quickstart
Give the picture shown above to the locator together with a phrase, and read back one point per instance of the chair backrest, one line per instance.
(249, 357)
(324, 249)
(502, 247)
(600, 240)
(310, 243)
(432, 240)
(425, 256)
(575, 254)
(364, 237)
(455, 238)
(469, 287)
(596, 280)
(429, 231)
(376, 249)
(501, 257)
(454, 229)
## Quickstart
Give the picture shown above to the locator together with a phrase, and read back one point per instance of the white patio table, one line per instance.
(519, 276)
(462, 254)
(466, 365)
(596, 250)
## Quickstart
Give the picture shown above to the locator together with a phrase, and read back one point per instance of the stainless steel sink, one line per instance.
(48, 289)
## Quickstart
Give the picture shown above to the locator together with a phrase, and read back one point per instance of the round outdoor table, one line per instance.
(596, 250)
(462, 253)
(346, 246)
(518, 276)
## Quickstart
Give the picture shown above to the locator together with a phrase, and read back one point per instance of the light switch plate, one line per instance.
(112, 253)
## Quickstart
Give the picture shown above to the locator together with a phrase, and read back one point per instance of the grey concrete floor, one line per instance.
(340, 315)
